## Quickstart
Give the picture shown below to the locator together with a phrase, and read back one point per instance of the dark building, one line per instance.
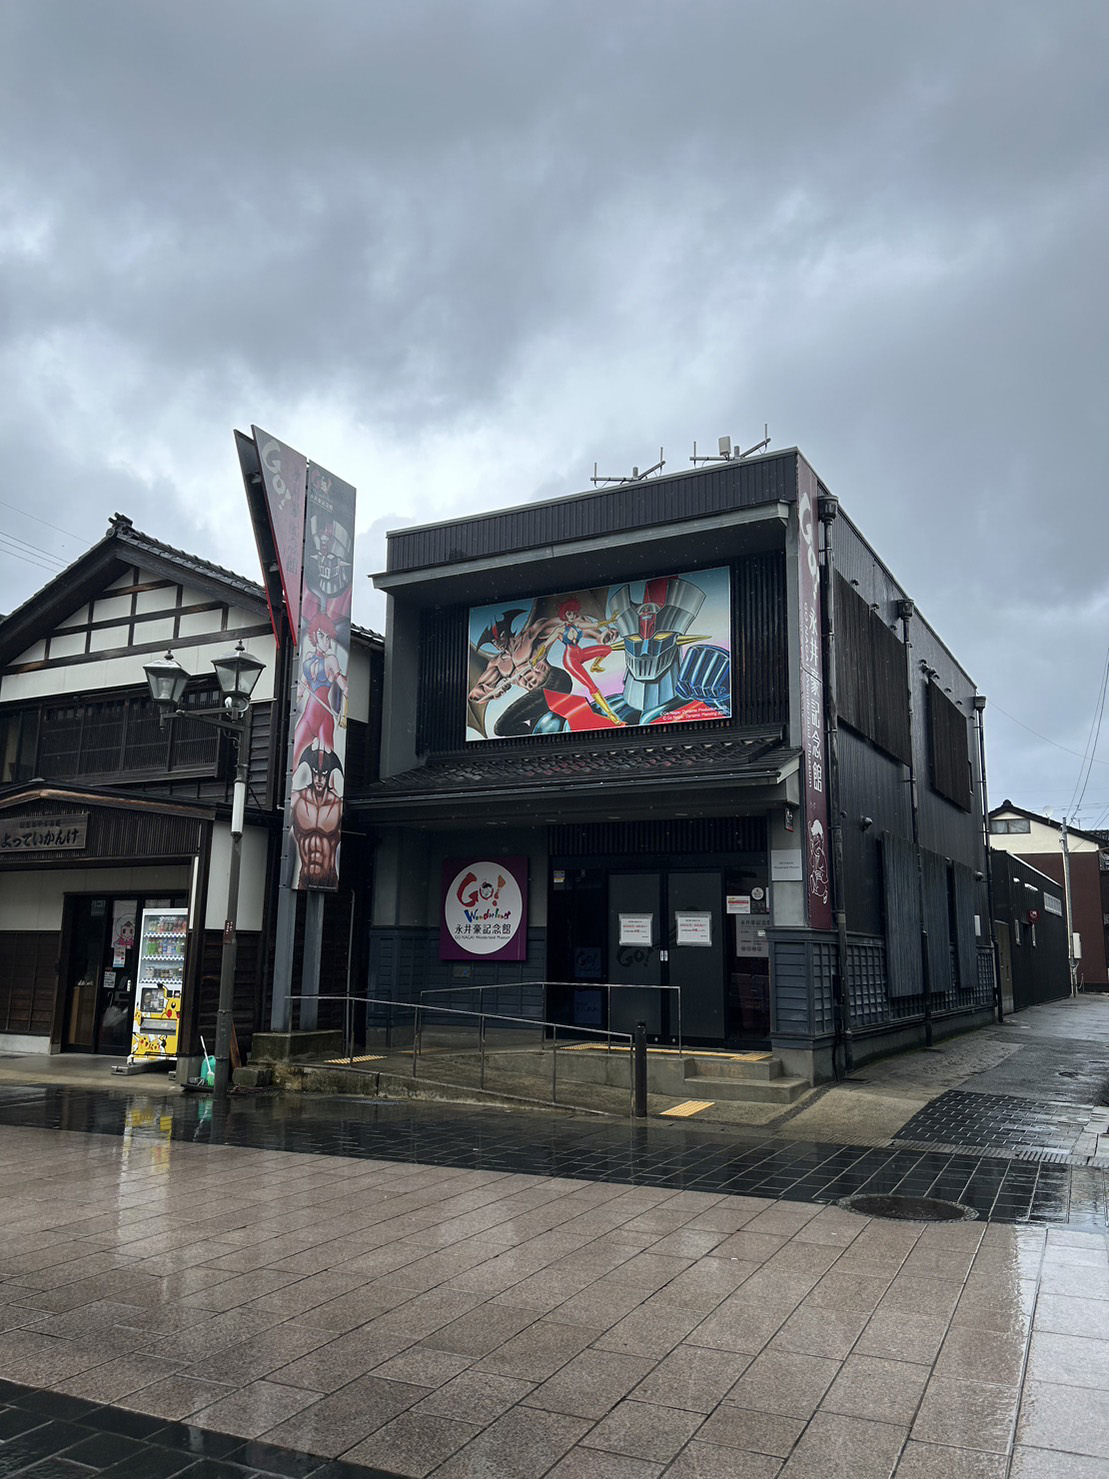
(115, 830)
(1030, 928)
(680, 732)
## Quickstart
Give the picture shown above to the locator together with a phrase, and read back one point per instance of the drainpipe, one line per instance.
(1071, 962)
(829, 508)
(979, 710)
(906, 611)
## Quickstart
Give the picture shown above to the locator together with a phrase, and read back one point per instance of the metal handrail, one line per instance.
(607, 986)
(420, 1007)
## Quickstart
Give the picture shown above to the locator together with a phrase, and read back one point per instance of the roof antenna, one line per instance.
(727, 453)
(635, 477)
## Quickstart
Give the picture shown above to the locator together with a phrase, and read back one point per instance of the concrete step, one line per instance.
(745, 1067)
(779, 1090)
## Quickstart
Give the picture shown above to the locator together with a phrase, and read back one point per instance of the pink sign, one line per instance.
(815, 801)
(483, 912)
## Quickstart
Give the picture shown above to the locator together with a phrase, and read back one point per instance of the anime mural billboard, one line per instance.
(323, 660)
(655, 651)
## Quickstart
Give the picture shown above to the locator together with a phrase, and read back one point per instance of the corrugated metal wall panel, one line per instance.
(937, 921)
(720, 489)
(901, 895)
(701, 836)
(966, 942)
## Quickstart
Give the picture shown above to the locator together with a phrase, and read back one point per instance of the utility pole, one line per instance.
(1070, 919)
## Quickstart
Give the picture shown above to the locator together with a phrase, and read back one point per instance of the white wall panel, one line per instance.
(33, 901)
(252, 878)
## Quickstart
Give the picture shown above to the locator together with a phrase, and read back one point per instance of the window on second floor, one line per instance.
(999, 826)
(106, 738)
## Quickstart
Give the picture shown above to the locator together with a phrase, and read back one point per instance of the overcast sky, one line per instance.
(458, 250)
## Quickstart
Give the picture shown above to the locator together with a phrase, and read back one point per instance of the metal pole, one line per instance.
(225, 1010)
(1071, 963)
(979, 708)
(415, 1038)
(313, 955)
(639, 1059)
(481, 1039)
(554, 1067)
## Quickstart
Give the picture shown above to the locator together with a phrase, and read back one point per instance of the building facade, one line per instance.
(110, 820)
(1038, 841)
(681, 733)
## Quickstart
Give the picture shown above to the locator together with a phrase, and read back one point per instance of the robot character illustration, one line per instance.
(669, 675)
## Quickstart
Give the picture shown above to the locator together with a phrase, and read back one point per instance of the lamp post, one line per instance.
(237, 674)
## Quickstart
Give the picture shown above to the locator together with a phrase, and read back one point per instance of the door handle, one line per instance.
(664, 955)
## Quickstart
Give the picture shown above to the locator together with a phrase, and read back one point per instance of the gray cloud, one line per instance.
(526, 235)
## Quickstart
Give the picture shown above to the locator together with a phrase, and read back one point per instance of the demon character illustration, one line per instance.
(322, 692)
(516, 659)
(317, 816)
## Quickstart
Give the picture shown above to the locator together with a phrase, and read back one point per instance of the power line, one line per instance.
(27, 559)
(67, 532)
(1092, 739)
(1036, 732)
(34, 549)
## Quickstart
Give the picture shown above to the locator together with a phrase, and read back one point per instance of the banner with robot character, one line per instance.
(323, 661)
(641, 652)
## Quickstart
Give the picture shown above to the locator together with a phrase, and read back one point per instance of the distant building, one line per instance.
(1038, 840)
(680, 732)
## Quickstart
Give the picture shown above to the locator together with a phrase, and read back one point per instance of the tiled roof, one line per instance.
(132, 536)
(128, 534)
(751, 758)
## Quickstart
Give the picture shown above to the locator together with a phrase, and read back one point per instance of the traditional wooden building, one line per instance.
(685, 732)
(108, 817)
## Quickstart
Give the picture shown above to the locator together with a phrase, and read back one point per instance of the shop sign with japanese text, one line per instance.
(43, 834)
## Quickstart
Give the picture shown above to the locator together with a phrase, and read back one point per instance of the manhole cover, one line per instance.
(909, 1209)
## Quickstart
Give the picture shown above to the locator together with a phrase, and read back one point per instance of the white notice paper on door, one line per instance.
(693, 929)
(637, 929)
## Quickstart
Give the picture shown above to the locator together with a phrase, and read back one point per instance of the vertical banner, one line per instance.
(284, 478)
(323, 660)
(815, 801)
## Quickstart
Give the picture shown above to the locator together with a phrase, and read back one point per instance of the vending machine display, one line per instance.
(161, 972)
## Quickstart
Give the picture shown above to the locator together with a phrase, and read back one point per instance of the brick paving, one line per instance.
(171, 1303)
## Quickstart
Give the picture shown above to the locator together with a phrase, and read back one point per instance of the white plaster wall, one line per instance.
(33, 901)
(252, 879)
(122, 672)
(1039, 839)
(358, 676)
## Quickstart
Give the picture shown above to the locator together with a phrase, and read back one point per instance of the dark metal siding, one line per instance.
(901, 888)
(966, 942)
(949, 748)
(937, 921)
(705, 837)
(759, 664)
(870, 785)
(872, 689)
(714, 490)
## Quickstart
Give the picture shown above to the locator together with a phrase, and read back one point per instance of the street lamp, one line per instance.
(237, 674)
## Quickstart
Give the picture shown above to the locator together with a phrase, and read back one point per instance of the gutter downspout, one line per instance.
(906, 611)
(829, 509)
(979, 710)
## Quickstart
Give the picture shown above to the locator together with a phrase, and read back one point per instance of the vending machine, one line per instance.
(161, 973)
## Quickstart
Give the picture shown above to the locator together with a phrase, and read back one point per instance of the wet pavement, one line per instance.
(337, 1287)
